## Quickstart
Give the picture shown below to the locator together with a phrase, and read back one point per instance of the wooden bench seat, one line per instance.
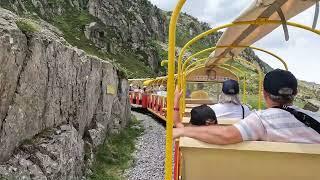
(254, 160)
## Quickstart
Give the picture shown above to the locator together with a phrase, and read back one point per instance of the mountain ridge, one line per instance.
(127, 31)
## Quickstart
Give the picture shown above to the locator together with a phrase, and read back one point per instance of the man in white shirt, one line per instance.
(162, 91)
(273, 124)
(229, 105)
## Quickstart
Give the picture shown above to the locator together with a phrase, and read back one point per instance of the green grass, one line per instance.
(28, 26)
(72, 25)
(299, 103)
(253, 102)
(115, 155)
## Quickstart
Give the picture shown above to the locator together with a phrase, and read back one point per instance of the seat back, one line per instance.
(249, 161)
(201, 101)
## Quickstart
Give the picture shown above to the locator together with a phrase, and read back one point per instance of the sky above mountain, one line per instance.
(301, 52)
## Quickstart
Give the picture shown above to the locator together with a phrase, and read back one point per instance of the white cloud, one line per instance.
(301, 51)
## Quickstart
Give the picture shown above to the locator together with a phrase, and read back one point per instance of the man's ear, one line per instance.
(209, 123)
(265, 94)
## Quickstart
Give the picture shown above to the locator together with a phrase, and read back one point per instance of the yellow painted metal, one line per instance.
(186, 62)
(202, 66)
(171, 68)
(244, 96)
(262, 50)
(261, 21)
(261, 76)
(194, 64)
(164, 62)
(195, 55)
(245, 99)
(148, 82)
(283, 161)
(170, 88)
(184, 82)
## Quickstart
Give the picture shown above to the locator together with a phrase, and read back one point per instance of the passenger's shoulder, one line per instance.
(310, 113)
(246, 107)
(216, 105)
(268, 111)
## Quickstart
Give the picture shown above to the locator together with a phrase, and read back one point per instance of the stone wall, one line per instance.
(48, 86)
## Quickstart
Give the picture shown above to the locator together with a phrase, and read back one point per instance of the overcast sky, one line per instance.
(301, 52)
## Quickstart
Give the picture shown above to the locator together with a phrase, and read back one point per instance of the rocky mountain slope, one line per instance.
(57, 103)
(128, 32)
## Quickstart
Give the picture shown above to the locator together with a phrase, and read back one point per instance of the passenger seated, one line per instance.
(162, 91)
(281, 122)
(131, 88)
(200, 116)
(200, 93)
(229, 105)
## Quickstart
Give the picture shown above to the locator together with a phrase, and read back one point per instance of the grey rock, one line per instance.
(97, 135)
(312, 105)
(51, 96)
(149, 157)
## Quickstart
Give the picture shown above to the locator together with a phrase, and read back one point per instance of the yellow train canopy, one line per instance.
(217, 74)
(248, 34)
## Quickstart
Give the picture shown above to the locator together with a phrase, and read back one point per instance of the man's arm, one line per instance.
(211, 134)
(176, 114)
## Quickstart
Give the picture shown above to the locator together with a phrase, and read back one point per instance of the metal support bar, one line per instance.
(316, 15)
(284, 23)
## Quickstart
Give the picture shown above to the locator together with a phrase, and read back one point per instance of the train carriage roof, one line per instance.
(217, 74)
(249, 34)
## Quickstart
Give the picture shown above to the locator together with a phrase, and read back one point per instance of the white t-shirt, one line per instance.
(162, 93)
(277, 125)
(230, 110)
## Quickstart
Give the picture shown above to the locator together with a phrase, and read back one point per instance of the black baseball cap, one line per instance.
(200, 115)
(230, 87)
(280, 83)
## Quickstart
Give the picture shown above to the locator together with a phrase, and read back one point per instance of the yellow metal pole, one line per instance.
(238, 46)
(194, 64)
(245, 90)
(260, 78)
(262, 50)
(170, 88)
(185, 63)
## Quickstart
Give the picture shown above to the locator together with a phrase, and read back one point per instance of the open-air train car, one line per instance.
(248, 160)
(155, 103)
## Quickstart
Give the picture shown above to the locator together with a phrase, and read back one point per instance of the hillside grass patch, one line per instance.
(28, 26)
(114, 156)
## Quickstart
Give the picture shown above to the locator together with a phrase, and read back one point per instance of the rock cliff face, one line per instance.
(130, 28)
(133, 24)
(55, 96)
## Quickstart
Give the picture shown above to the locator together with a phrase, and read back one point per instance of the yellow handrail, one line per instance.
(262, 50)
(195, 55)
(202, 66)
(194, 63)
(261, 21)
(185, 63)
(170, 88)
(244, 99)
(242, 60)
(171, 68)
